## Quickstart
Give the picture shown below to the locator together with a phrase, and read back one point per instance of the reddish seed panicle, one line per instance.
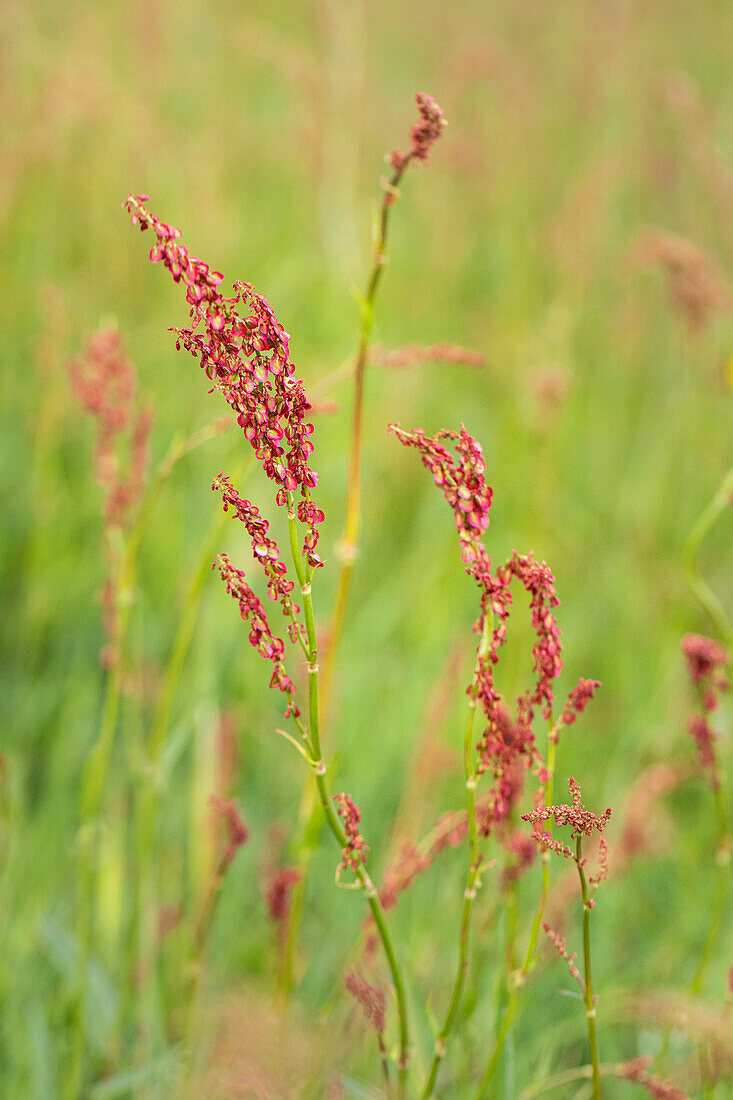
(705, 737)
(583, 822)
(706, 661)
(657, 1088)
(578, 700)
(237, 831)
(462, 481)
(248, 358)
(560, 945)
(373, 1001)
(261, 637)
(265, 549)
(424, 133)
(104, 383)
(355, 851)
(279, 890)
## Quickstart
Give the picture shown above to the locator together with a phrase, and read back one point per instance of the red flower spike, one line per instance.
(261, 637)
(248, 359)
(355, 851)
(424, 134)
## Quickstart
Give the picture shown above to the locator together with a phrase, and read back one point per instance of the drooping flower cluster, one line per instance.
(578, 700)
(248, 358)
(706, 662)
(264, 548)
(539, 582)
(355, 851)
(261, 636)
(462, 481)
(424, 133)
(373, 1001)
(507, 745)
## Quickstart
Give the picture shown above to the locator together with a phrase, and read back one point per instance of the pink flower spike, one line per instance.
(355, 851)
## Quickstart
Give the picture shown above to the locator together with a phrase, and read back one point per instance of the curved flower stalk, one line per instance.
(424, 134)
(506, 748)
(247, 357)
(426, 131)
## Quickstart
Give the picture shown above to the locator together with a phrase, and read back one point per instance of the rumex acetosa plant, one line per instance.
(244, 352)
(509, 765)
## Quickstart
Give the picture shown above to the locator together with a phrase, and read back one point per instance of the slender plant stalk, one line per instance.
(320, 771)
(520, 977)
(97, 765)
(707, 598)
(473, 884)
(590, 1004)
(348, 548)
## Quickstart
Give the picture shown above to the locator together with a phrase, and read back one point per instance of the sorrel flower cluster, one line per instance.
(356, 849)
(584, 823)
(265, 550)
(267, 644)
(706, 662)
(424, 133)
(507, 745)
(248, 358)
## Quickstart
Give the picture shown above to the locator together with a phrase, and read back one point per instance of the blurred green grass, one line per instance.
(262, 135)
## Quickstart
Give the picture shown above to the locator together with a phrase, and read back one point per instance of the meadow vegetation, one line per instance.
(558, 278)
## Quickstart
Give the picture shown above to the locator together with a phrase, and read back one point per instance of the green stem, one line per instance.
(473, 882)
(348, 551)
(590, 1004)
(332, 819)
(707, 598)
(521, 976)
(350, 537)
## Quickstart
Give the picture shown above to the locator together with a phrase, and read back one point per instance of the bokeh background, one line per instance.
(574, 227)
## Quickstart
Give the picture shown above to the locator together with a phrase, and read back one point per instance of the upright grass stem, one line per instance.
(520, 977)
(590, 1004)
(96, 769)
(320, 771)
(473, 884)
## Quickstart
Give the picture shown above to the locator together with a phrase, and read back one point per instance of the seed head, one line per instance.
(247, 356)
(355, 851)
